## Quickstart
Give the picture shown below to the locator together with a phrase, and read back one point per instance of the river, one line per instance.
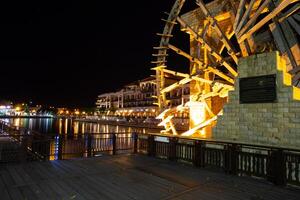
(70, 126)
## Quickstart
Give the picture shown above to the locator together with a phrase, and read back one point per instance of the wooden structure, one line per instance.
(129, 177)
(225, 31)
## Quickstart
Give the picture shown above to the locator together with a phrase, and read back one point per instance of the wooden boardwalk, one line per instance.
(130, 177)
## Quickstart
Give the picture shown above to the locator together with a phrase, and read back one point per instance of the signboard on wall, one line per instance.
(258, 89)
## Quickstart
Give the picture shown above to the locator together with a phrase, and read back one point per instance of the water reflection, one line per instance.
(70, 126)
(70, 139)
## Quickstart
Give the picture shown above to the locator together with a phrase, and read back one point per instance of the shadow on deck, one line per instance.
(130, 177)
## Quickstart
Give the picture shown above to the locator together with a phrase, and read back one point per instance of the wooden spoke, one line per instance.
(262, 22)
(254, 17)
(196, 60)
(239, 14)
(245, 16)
(176, 85)
(208, 47)
(290, 12)
(217, 28)
(294, 24)
(186, 55)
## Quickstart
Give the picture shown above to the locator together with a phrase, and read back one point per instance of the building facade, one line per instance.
(138, 99)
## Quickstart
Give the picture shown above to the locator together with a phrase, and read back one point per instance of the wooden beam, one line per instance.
(239, 13)
(290, 12)
(262, 22)
(196, 78)
(245, 16)
(281, 42)
(196, 60)
(294, 24)
(223, 37)
(176, 85)
(200, 126)
(254, 17)
(186, 55)
(221, 74)
(295, 70)
(296, 79)
(208, 47)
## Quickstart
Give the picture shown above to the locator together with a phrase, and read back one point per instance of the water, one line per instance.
(74, 137)
(70, 126)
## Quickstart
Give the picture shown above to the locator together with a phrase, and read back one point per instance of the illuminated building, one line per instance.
(138, 99)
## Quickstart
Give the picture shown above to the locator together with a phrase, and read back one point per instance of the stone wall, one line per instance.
(261, 123)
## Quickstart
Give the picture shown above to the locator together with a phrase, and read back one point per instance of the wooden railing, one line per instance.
(276, 164)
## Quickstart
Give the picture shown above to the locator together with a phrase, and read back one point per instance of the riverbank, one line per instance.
(121, 123)
(142, 124)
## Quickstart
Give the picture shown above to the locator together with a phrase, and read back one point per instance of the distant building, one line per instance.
(139, 99)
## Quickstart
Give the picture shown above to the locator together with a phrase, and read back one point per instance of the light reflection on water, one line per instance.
(69, 126)
(73, 131)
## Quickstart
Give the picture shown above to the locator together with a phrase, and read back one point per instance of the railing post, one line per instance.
(231, 159)
(114, 144)
(198, 159)
(60, 147)
(135, 142)
(276, 172)
(47, 151)
(89, 145)
(172, 148)
(151, 146)
(23, 152)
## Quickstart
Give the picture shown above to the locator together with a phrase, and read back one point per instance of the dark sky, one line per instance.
(64, 53)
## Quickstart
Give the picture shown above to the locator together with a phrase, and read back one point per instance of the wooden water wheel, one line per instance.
(223, 32)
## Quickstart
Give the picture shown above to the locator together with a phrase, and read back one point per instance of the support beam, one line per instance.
(196, 60)
(254, 17)
(175, 85)
(290, 12)
(239, 14)
(245, 16)
(208, 47)
(219, 31)
(221, 74)
(294, 24)
(186, 55)
(200, 126)
(262, 22)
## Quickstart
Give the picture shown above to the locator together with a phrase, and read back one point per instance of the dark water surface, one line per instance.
(70, 126)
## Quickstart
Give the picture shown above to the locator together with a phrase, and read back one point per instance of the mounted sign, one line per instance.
(259, 89)
(161, 139)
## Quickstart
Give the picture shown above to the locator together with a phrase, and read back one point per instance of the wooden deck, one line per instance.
(130, 177)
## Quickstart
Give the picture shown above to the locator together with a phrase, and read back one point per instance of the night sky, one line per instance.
(65, 53)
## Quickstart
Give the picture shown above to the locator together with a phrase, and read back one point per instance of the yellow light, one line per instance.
(197, 114)
(77, 112)
(18, 108)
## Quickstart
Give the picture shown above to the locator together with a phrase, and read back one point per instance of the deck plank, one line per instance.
(130, 177)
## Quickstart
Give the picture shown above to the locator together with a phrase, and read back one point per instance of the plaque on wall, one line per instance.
(259, 89)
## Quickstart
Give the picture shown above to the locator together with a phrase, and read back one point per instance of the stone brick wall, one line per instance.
(262, 123)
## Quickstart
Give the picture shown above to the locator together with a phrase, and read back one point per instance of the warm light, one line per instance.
(18, 108)
(197, 114)
(77, 112)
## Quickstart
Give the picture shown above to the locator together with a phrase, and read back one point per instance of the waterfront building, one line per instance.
(138, 99)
